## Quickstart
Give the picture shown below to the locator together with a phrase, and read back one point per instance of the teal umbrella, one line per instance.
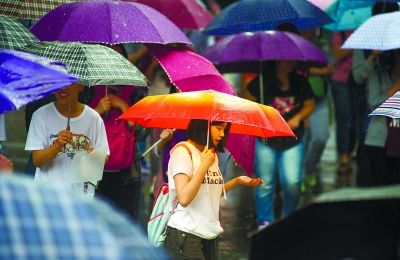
(93, 64)
(349, 14)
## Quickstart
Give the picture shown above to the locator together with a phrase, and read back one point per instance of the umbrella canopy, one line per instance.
(390, 108)
(176, 111)
(243, 52)
(25, 77)
(189, 71)
(186, 14)
(259, 15)
(349, 14)
(28, 9)
(107, 22)
(13, 34)
(93, 64)
(351, 223)
(51, 222)
(380, 32)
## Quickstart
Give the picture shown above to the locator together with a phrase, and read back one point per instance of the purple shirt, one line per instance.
(343, 68)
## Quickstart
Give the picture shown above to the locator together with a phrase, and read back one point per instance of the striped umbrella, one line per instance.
(13, 34)
(93, 64)
(390, 108)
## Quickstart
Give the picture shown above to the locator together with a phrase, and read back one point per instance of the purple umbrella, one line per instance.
(25, 77)
(244, 52)
(107, 22)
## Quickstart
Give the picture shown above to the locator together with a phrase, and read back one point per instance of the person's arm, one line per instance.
(323, 71)
(361, 67)
(165, 136)
(187, 187)
(104, 105)
(340, 54)
(242, 180)
(45, 156)
(304, 113)
(393, 89)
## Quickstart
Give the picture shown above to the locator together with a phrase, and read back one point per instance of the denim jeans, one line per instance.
(344, 101)
(316, 135)
(287, 165)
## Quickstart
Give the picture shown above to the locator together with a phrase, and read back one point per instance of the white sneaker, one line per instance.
(263, 225)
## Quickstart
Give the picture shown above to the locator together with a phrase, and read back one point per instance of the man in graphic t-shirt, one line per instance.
(53, 147)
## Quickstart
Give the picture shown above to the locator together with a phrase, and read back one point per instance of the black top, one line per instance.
(288, 103)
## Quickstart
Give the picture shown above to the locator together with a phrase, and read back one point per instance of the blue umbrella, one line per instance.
(380, 32)
(51, 222)
(25, 77)
(259, 15)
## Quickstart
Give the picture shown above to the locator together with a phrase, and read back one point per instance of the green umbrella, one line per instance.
(31, 10)
(13, 34)
(93, 64)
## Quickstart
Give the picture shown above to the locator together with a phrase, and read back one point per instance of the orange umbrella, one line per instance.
(176, 111)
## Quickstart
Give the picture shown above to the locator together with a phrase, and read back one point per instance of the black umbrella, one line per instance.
(346, 224)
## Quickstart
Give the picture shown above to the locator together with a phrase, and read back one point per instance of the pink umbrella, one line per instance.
(189, 71)
(186, 14)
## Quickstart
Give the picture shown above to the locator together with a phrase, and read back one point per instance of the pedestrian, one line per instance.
(373, 73)
(281, 157)
(381, 73)
(343, 93)
(53, 146)
(317, 127)
(195, 180)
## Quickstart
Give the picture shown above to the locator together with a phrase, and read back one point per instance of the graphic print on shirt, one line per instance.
(213, 177)
(283, 104)
(79, 142)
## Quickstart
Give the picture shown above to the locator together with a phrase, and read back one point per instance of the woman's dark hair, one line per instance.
(382, 7)
(197, 131)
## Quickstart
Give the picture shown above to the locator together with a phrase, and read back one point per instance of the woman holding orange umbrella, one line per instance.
(194, 177)
(196, 180)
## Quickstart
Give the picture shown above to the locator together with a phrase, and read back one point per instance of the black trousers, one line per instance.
(122, 189)
(182, 245)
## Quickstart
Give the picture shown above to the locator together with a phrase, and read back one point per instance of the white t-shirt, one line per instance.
(2, 128)
(88, 129)
(201, 216)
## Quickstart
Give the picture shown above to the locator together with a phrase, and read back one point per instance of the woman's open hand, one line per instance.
(248, 181)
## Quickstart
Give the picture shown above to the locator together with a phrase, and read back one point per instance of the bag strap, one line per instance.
(186, 147)
(183, 144)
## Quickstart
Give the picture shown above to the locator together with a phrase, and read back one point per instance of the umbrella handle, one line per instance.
(154, 145)
(69, 110)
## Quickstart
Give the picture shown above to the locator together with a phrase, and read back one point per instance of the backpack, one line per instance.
(161, 212)
(121, 142)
